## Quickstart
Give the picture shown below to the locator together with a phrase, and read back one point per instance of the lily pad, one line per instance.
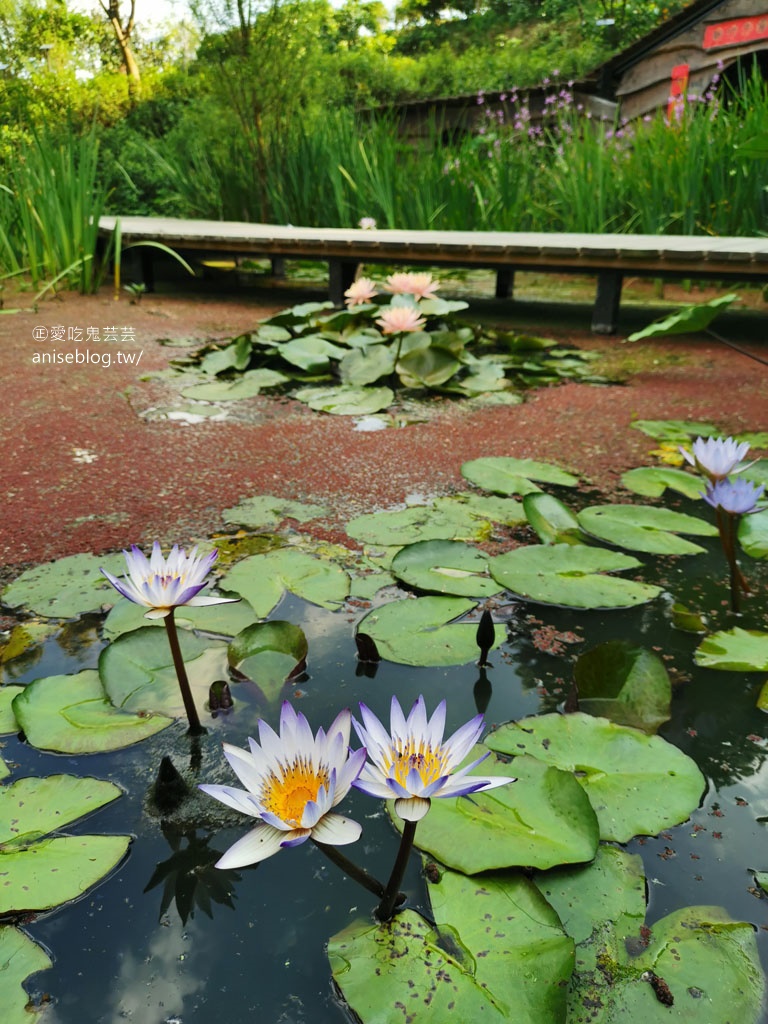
(41, 873)
(268, 653)
(699, 957)
(20, 957)
(504, 475)
(387, 973)
(263, 579)
(652, 481)
(571, 575)
(222, 619)
(247, 385)
(65, 588)
(346, 401)
(753, 534)
(622, 770)
(265, 512)
(484, 506)
(71, 715)
(738, 650)
(311, 352)
(688, 320)
(138, 674)
(645, 528)
(421, 631)
(56, 870)
(454, 521)
(614, 882)
(553, 521)
(8, 723)
(627, 684)
(427, 367)
(675, 430)
(445, 567)
(542, 820)
(365, 365)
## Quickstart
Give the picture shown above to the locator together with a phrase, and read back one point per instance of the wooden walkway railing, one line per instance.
(608, 257)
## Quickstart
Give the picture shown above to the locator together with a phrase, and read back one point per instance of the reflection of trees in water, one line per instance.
(77, 637)
(189, 878)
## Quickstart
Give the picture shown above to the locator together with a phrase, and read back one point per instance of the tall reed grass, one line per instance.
(51, 200)
(565, 173)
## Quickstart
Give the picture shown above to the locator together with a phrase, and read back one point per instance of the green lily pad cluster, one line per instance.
(564, 940)
(41, 868)
(348, 367)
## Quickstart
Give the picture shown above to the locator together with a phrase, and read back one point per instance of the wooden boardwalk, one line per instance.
(609, 257)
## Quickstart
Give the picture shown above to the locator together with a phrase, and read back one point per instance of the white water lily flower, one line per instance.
(413, 764)
(162, 584)
(716, 457)
(292, 782)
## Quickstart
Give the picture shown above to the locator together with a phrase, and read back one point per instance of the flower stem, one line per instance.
(195, 728)
(358, 874)
(390, 900)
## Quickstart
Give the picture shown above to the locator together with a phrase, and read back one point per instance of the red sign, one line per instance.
(736, 32)
(678, 87)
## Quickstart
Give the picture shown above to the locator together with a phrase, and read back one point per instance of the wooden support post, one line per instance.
(341, 274)
(278, 266)
(505, 282)
(607, 301)
(147, 268)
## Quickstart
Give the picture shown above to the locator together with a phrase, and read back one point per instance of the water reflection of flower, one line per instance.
(189, 877)
(293, 781)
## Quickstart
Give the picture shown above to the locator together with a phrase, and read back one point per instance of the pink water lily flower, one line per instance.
(360, 291)
(367, 223)
(411, 764)
(421, 286)
(397, 319)
(292, 783)
(716, 457)
(162, 584)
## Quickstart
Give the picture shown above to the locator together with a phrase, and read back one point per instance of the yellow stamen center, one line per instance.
(427, 762)
(286, 796)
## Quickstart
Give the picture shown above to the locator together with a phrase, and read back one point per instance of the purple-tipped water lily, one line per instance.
(162, 584)
(412, 764)
(292, 783)
(716, 457)
(737, 497)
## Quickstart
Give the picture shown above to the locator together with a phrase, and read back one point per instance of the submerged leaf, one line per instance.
(622, 682)
(268, 653)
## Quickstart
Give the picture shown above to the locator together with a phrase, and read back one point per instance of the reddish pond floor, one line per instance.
(85, 467)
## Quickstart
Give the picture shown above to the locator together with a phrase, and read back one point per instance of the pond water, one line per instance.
(168, 938)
